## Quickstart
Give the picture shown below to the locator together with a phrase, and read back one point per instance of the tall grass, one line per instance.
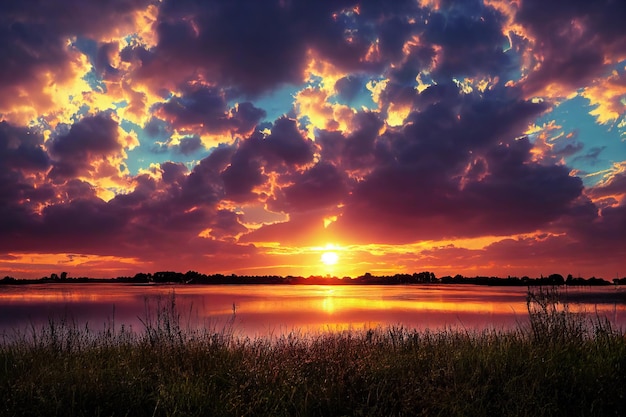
(552, 321)
(560, 364)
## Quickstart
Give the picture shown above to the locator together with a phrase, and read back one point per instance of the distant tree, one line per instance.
(556, 279)
(142, 277)
(597, 281)
(168, 276)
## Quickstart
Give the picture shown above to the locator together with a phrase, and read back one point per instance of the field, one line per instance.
(561, 364)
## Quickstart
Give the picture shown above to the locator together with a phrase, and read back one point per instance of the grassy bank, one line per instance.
(561, 364)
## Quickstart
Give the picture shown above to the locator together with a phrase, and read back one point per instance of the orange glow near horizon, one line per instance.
(468, 257)
(450, 257)
(36, 265)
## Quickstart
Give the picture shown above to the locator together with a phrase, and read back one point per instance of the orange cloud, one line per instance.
(313, 103)
(51, 92)
(608, 97)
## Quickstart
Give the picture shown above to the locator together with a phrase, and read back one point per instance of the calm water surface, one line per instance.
(262, 310)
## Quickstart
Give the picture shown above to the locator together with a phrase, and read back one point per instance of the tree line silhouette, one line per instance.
(197, 278)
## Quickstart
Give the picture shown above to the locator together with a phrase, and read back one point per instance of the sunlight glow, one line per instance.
(330, 258)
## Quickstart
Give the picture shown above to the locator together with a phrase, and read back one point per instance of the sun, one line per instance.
(330, 258)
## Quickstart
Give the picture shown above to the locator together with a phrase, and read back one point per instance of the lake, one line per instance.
(272, 310)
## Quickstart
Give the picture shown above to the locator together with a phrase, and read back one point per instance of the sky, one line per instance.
(307, 137)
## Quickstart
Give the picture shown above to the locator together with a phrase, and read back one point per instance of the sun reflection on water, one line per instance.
(277, 309)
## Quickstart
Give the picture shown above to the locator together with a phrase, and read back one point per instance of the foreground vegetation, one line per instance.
(560, 364)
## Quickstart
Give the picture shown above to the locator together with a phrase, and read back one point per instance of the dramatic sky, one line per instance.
(253, 137)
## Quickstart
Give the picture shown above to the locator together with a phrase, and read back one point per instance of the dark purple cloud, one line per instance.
(321, 186)
(347, 88)
(360, 147)
(23, 161)
(471, 38)
(75, 189)
(21, 149)
(103, 64)
(25, 49)
(255, 47)
(281, 151)
(82, 220)
(600, 249)
(609, 230)
(231, 43)
(615, 185)
(455, 170)
(226, 225)
(205, 109)
(73, 16)
(572, 39)
(245, 171)
(158, 219)
(189, 145)
(91, 138)
(519, 195)
(286, 144)
(204, 185)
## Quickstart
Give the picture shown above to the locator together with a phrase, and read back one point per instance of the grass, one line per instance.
(560, 364)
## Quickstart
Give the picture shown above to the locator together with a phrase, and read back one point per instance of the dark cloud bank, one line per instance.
(458, 167)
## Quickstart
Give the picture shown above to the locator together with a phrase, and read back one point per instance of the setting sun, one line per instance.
(330, 258)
